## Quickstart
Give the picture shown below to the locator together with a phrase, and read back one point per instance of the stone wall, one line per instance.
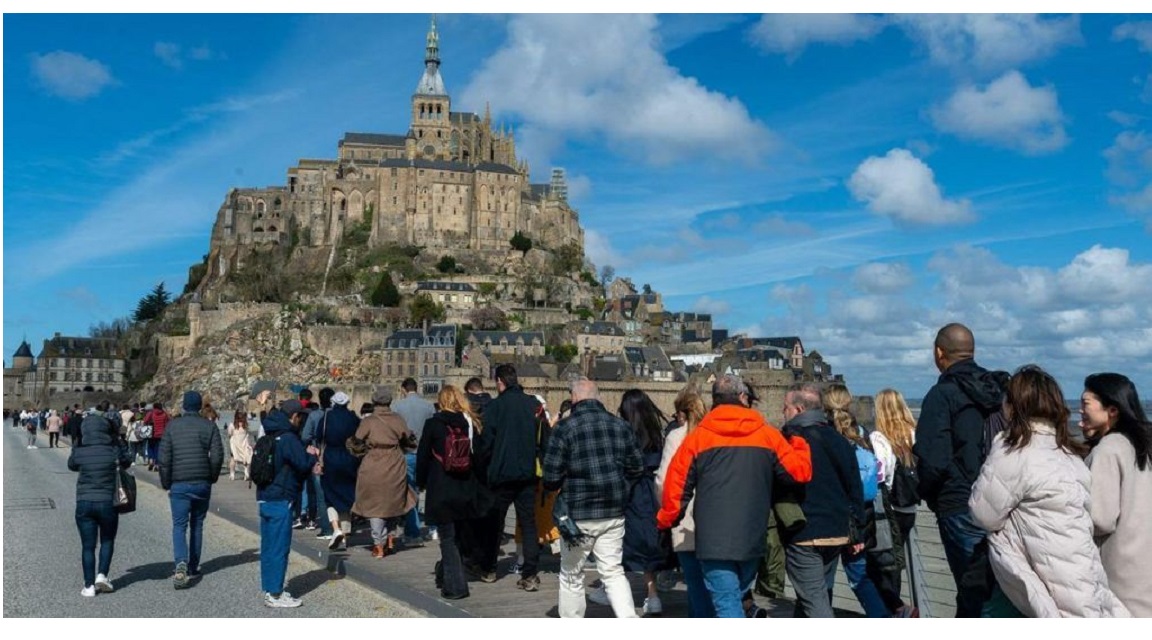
(171, 349)
(342, 344)
(203, 322)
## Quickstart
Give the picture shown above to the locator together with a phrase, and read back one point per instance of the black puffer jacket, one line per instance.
(950, 434)
(190, 451)
(510, 421)
(97, 461)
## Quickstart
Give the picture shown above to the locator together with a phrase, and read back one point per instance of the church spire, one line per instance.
(431, 84)
(432, 52)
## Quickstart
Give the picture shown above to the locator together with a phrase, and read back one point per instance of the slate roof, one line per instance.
(602, 329)
(445, 286)
(447, 165)
(75, 347)
(381, 139)
(511, 336)
(610, 370)
(413, 338)
(23, 351)
(463, 116)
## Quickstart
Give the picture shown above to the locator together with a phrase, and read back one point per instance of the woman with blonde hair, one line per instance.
(454, 495)
(689, 407)
(892, 443)
(837, 402)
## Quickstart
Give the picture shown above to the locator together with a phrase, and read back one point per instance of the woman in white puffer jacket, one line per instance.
(1033, 497)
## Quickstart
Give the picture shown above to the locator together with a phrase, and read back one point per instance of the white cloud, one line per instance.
(169, 54)
(707, 304)
(71, 75)
(780, 226)
(1130, 167)
(175, 55)
(899, 185)
(990, 42)
(790, 33)
(620, 87)
(599, 250)
(1141, 32)
(1008, 112)
(883, 277)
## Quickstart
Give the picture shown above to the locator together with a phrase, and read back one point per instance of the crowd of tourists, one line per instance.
(1034, 522)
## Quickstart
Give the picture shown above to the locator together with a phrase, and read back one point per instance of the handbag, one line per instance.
(318, 468)
(356, 446)
(124, 499)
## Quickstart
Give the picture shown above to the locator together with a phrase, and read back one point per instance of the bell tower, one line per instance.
(431, 104)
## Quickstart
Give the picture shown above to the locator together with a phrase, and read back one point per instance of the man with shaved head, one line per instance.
(950, 450)
(591, 458)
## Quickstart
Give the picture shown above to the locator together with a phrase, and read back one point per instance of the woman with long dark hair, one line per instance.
(1113, 420)
(642, 551)
(1033, 498)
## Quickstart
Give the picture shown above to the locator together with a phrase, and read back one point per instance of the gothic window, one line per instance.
(276, 203)
(259, 208)
(272, 228)
(258, 230)
(393, 175)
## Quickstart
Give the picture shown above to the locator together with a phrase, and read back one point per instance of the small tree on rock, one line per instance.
(447, 264)
(385, 294)
(488, 319)
(152, 305)
(422, 308)
(521, 242)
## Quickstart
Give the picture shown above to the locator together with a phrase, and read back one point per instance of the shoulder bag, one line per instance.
(124, 499)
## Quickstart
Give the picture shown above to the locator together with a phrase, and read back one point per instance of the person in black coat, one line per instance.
(642, 549)
(453, 500)
(98, 460)
(340, 468)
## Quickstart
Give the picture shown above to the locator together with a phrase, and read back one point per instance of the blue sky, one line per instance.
(858, 180)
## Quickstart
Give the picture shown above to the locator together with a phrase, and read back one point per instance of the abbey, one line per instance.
(453, 181)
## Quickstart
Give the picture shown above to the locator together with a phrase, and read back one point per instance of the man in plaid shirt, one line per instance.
(591, 457)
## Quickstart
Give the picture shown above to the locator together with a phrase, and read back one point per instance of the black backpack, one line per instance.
(263, 469)
(905, 491)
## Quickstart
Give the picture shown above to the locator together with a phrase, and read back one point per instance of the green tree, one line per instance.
(569, 259)
(562, 352)
(385, 294)
(447, 264)
(152, 305)
(422, 308)
(521, 242)
(488, 319)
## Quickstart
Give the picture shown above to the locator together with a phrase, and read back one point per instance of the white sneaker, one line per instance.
(653, 606)
(433, 536)
(88, 592)
(516, 568)
(336, 541)
(284, 601)
(103, 584)
(598, 595)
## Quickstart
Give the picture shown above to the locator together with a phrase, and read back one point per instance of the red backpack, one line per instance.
(457, 451)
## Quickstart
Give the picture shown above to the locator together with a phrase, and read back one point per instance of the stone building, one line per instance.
(600, 337)
(65, 364)
(525, 344)
(425, 355)
(453, 181)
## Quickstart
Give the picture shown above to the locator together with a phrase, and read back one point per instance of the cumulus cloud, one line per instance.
(1130, 167)
(883, 277)
(1008, 112)
(620, 86)
(901, 186)
(707, 304)
(599, 250)
(990, 42)
(1141, 32)
(790, 33)
(70, 75)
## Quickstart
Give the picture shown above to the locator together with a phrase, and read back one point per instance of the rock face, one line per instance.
(223, 366)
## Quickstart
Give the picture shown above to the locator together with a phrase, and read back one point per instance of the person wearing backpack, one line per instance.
(280, 464)
(832, 502)
(950, 449)
(455, 494)
(876, 534)
(892, 442)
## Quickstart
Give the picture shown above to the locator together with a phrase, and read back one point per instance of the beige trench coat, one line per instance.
(382, 489)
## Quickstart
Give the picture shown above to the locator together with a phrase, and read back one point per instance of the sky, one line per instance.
(858, 180)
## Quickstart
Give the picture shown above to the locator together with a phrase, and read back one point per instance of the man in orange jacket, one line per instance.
(729, 463)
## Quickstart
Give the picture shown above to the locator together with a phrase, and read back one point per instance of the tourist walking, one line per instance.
(30, 428)
(293, 463)
(832, 503)
(190, 458)
(950, 449)
(338, 468)
(415, 410)
(731, 464)
(313, 494)
(382, 492)
(98, 459)
(55, 424)
(455, 496)
(239, 444)
(591, 459)
(157, 419)
(689, 412)
(72, 427)
(1114, 422)
(892, 441)
(1033, 498)
(642, 549)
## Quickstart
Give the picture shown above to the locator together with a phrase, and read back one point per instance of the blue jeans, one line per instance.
(727, 580)
(412, 519)
(275, 544)
(699, 600)
(96, 520)
(189, 502)
(856, 570)
(960, 535)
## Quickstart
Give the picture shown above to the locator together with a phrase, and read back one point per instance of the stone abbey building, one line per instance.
(453, 181)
